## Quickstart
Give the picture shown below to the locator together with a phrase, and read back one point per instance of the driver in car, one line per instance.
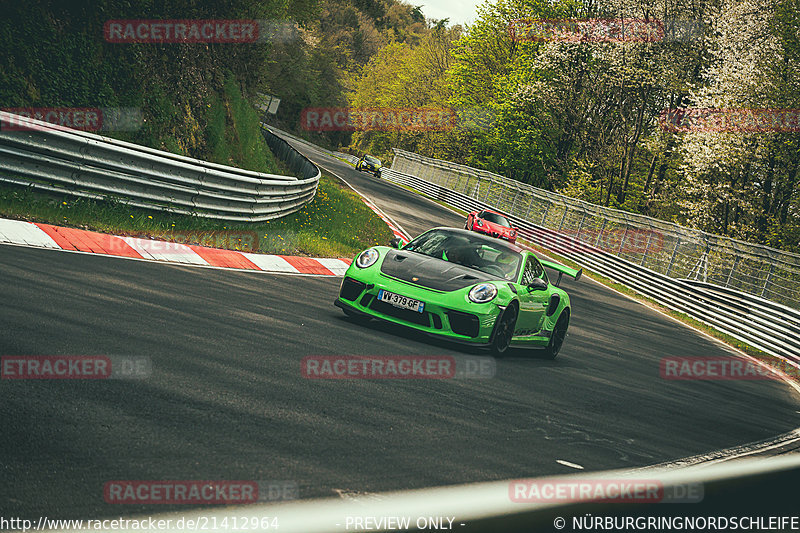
(464, 256)
(507, 261)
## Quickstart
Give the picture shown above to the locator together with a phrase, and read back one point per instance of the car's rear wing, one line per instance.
(562, 269)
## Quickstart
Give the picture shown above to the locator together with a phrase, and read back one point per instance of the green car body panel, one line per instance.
(448, 311)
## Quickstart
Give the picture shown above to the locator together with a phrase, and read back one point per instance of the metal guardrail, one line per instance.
(770, 327)
(672, 250)
(347, 157)
(337, 155)
(56, 159)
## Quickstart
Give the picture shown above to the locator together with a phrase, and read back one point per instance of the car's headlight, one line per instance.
(480, 222)
(482, 293)
(367, 258)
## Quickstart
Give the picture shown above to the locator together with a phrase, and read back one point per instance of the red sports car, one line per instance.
(491, 223)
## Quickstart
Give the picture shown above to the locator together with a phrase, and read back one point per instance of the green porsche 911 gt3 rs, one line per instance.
(464, 286)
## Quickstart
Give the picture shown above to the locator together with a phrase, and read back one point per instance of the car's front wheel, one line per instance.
(557, 338)
(504, 331)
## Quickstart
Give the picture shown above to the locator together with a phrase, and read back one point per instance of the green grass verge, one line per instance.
(335, 224)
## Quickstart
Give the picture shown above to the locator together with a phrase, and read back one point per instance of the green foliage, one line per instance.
(582, 118)
(53, 54)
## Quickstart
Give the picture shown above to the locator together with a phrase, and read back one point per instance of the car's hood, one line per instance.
(430, 272)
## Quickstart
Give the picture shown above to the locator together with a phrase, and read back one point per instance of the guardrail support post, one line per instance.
(580, 225)
(561, 225)
(733, 267)
(766, 281)
(600, 234)
(647, 246)
(624, 236)
(546, 210)
(672, 259)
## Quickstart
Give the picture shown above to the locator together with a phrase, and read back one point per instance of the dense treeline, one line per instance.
(53, 53)
(582, 118)
(345, 35)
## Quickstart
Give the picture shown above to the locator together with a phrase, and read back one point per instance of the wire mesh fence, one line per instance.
(664, 247)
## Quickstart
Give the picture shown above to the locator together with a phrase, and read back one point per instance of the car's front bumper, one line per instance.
(497, 234)
(368, 168)
(443, 314)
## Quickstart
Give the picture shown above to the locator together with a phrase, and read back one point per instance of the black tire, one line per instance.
(504, 331)
(557, 338)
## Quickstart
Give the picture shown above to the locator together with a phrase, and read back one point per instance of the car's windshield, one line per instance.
(373, 160)
(497, 219)
(490, 256)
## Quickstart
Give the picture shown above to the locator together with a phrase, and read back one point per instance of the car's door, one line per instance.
(532, 302)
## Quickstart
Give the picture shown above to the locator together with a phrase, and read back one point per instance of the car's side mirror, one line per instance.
(397, 242)
(538, 284)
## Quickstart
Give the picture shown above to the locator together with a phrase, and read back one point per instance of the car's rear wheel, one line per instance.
(558, 336)
(504, 331)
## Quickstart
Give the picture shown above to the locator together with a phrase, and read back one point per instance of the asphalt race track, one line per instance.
(226, 399)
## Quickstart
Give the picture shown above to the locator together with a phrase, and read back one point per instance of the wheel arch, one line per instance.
(514, 302)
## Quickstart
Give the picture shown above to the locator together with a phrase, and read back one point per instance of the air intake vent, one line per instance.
(351, 289)
(464, 323)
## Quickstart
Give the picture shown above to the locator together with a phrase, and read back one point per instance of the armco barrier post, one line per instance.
(672, 258)
(769, 277)
(647, 246)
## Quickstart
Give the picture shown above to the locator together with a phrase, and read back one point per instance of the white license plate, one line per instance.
(400, 301)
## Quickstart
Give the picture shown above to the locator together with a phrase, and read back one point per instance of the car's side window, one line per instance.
(527, 274)
(533, 270)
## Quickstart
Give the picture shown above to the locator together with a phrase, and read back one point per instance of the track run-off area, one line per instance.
(226, 399)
